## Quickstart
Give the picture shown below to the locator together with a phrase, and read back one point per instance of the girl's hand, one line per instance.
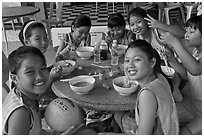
(153, 23)
(168, 38)
(55, 72)
(129, 123)
(109, 40)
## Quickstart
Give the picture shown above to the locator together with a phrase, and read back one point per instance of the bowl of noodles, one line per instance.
(67, 66)
(124, 88)
(82, 84)
(85, 52)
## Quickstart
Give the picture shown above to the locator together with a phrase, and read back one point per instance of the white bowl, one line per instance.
(85, 52)
(67, 66)
(169, 72)
(125, 91)
(82, 84)
(121, 49)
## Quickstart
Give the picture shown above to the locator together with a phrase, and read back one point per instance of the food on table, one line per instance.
(67, 64)
(82, 84)
(127, 85)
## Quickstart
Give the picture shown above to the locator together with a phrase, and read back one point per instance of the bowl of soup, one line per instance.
(82, 84)
(67, 66)
(85, 52)
(123, 87)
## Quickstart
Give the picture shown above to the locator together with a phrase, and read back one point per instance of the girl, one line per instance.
(155, 110)
(192, 63)
(117, 30)
(138, 22)
(79, 36)
(29, 74)
(34, 33)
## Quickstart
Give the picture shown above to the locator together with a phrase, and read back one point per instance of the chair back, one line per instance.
(58, 9)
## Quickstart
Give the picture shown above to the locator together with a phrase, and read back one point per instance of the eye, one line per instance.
(126, 61)
(30, 72)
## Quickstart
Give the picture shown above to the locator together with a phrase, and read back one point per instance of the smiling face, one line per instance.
(32, 76)
(138, 25)
(80, 33)
(117, 32)
(38, 39)
(193, 37)
(137, 65)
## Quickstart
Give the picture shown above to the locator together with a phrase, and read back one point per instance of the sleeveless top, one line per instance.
(13, 101)
(70, 41)
(166, 121)
(195, 84)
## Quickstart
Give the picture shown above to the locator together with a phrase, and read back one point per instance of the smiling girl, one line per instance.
(78, 37)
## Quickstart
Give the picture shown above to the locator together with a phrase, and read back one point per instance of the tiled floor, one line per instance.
(98, 17)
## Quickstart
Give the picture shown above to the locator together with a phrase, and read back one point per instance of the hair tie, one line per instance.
(27, 25)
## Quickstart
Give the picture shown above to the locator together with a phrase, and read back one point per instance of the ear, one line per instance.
(153, 62)
(14, 78)
(26, 42)
(72, 28)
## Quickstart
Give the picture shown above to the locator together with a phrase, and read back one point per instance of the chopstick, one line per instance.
(100, 66)
(68, 79)
(165, 59)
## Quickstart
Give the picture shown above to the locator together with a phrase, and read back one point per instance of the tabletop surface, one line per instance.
(99, 98)
(15, 12)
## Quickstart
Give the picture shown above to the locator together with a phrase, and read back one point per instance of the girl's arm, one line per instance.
(175, 64)
(61, 45)
(189, 62)
(147, 112)
(19, 122)
(175, 30)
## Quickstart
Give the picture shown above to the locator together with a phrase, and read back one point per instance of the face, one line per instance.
(117, 32)
(81, 33)
(137, 65)
(32, 76)
(38, 39)
(138, 25)
(193, 37)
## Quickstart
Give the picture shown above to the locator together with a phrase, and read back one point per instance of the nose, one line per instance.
(39, 75)
(186, 35)
(131, 64)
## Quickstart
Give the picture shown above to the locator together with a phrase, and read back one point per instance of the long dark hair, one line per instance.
(195, 21)
(151, 53)
(80, 21)
(137, 12)
(16, 57)
(116, 20)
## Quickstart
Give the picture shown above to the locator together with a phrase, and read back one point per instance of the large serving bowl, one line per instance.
(168, 71)
(82, 84)
(85, 52)
(121, 49)
(118, 85)
(67, 66)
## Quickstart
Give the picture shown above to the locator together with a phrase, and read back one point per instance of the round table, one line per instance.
(99, 98)
(10, 13)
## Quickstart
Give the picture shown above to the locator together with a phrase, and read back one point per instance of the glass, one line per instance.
(114, 59)
(97, 56)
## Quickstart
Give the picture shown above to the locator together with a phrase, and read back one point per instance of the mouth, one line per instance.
(132, 72)
(39, 84)
(137, 31)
